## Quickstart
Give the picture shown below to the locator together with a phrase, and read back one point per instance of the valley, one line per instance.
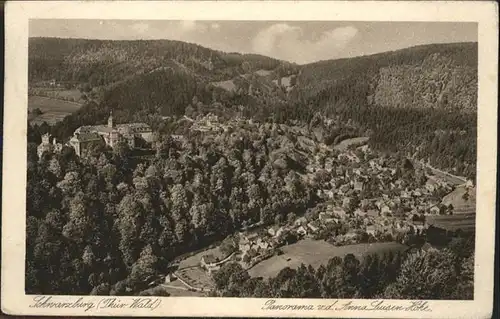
(258, 178)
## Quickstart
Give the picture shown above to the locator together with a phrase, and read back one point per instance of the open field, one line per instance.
(464, 222)
(226, 85)
(449, 178)
(460, 204)
(53, 110)
(196, 258)
(190, 270)
(316, 253)
(196, 277)
(177, 289)
(342, 146)
(72, 95)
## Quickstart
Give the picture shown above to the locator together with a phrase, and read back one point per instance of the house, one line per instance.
(428, 247)
(350, 235)
(276, 231)
(208, 261)
(251, 237)
(358, 186)
(391, 204)
(262, 244)
(405, 195)
(371, 230)
(434, 210)
(313, 226)
(358, 212)
(385, 210)
(339, 212)
(339, 171)
(364, 203)
(244, 247)
(372, 213)
(302, 231)
(346, 201)
(178, 138)
(170, 277)
(373, 164)
(272, 230)
(430, 187)
(300, 221)
(322, 216)
(344, 188)
(329, 220)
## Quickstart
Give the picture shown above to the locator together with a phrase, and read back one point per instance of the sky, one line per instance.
(295, 41)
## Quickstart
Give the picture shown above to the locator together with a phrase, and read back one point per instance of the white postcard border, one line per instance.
(14, 300)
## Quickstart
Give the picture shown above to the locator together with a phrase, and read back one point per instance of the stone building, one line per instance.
(47, 146)
(111, 134)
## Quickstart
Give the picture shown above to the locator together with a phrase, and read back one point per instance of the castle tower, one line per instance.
(110, 120)
(46, 138)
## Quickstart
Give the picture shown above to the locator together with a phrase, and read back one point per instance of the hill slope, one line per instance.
(101, 62)
(429, 76)
(421, 101)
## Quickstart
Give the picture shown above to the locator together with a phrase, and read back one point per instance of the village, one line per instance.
(365, 198)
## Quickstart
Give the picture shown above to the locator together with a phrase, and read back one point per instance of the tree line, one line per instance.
(414, 274)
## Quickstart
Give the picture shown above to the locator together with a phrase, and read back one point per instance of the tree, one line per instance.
(145, 267)
(425, 275)
(229, 245)
(230, 275)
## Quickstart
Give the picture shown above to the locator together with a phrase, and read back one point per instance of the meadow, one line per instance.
(190, 271)
(316, 253)
(53, 110)
(464, 211)
(342, 146)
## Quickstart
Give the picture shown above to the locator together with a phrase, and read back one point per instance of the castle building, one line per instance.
(84, 136)
(46, 146)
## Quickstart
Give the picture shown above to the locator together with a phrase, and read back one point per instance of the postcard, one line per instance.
(250, 159)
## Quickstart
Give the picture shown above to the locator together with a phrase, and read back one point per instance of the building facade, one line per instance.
(47, 146)
(111, 134)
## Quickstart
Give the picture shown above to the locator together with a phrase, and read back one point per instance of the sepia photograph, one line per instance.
(251, 159)
(215, 158)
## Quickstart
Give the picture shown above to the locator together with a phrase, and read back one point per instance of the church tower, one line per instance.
(110, 120)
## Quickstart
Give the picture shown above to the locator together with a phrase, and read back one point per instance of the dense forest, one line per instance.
(105, 222)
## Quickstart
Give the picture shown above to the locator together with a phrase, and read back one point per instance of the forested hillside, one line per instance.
(101, 62)
(428, 76)
(420, 100)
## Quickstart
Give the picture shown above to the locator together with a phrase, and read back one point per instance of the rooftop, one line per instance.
(209, 259)
(86, 137)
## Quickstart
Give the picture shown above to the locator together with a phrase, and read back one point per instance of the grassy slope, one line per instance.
(315, 253)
